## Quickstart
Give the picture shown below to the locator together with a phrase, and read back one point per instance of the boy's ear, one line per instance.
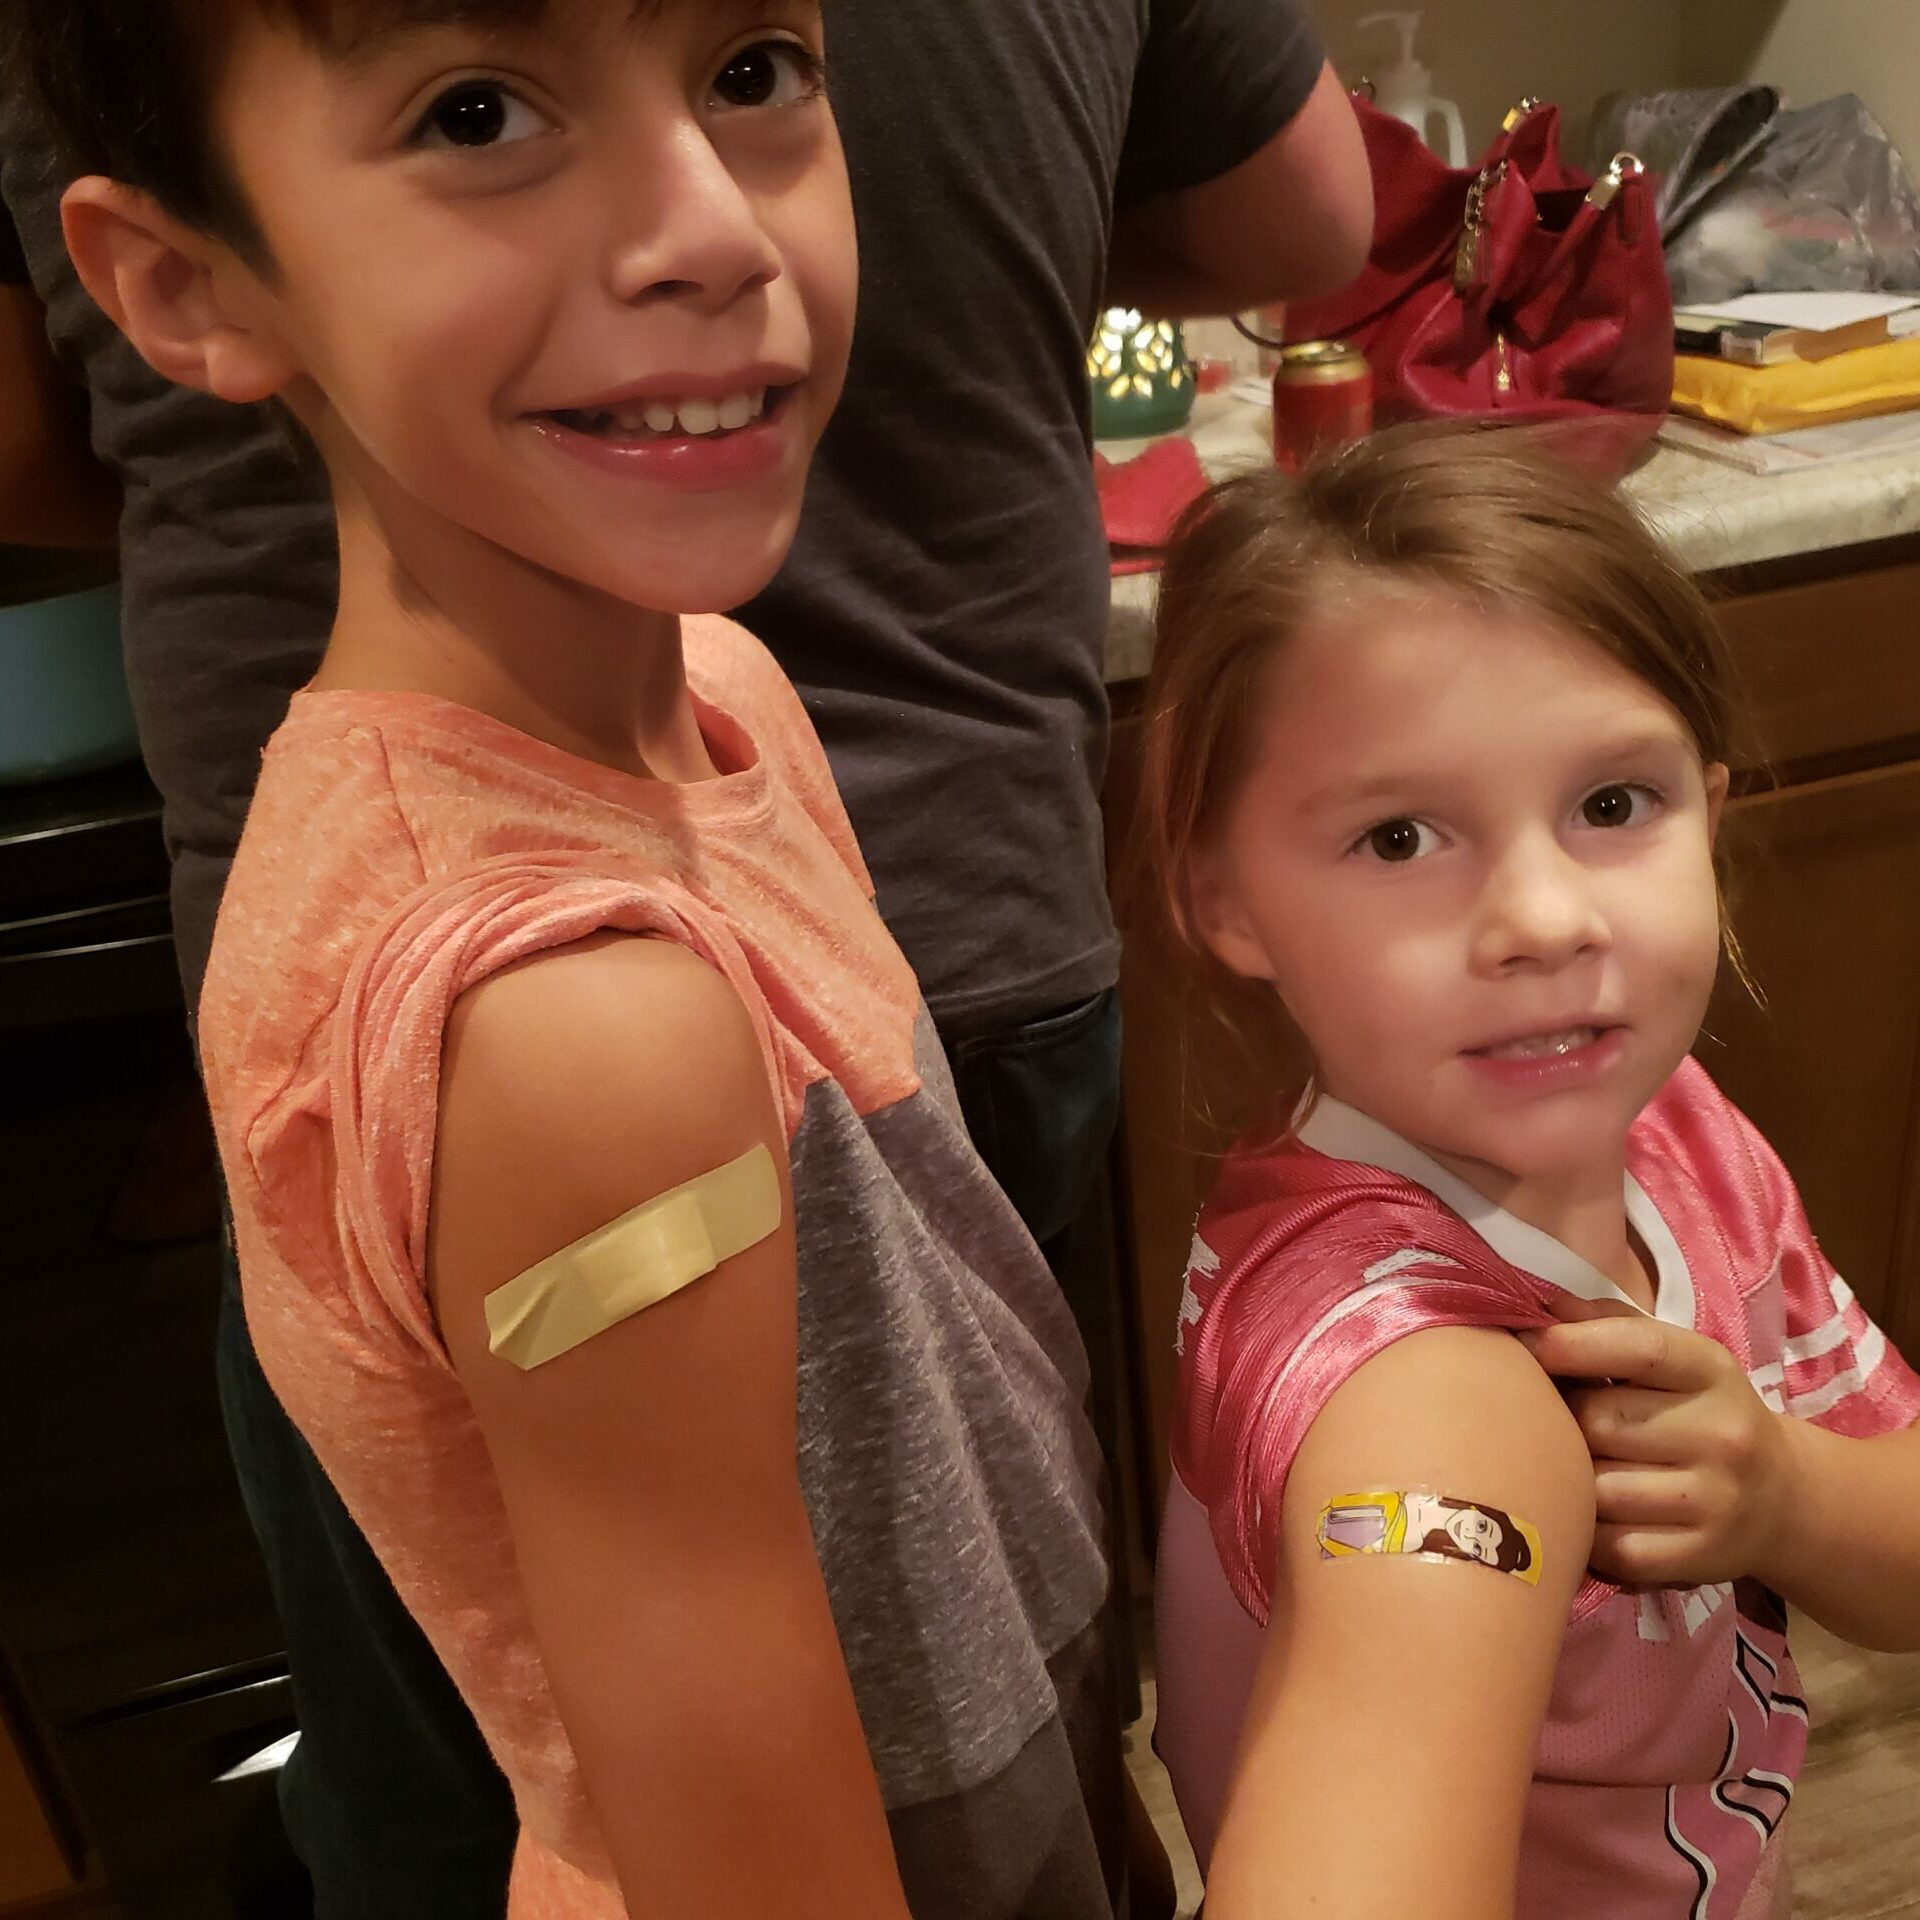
(1220, 922)
(176, 294)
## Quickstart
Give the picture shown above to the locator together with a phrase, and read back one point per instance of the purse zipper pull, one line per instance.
(1503, 378)
(1601, 194)
(1519, 112)
(1466, 259)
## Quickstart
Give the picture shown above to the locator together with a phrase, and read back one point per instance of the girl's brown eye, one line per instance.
(1617, 806)
(1396, 840)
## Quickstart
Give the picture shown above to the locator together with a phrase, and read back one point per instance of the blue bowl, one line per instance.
(63, 691)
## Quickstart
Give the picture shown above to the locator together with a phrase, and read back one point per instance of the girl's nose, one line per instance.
(1537, 911)
(687, 230)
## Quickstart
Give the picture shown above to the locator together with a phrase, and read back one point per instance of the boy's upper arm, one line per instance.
(649, 1474)
(1390, 1738)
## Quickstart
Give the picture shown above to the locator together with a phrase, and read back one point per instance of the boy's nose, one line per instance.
(1537, 910)
(686, 229)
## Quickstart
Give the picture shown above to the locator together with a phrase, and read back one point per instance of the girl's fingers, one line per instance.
(1629, 1495)
(1628, 1347)
(1640, 1555)
(1633, 1423)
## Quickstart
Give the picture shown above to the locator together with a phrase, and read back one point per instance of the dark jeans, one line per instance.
(391, 1799)
(1041, 1102)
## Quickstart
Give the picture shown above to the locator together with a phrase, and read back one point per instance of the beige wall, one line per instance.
(1813, 48)
(1485, 54)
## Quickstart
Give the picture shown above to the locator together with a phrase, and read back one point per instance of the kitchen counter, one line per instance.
(1714, 516)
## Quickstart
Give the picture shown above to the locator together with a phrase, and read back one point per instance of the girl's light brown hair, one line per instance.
(1489, 516)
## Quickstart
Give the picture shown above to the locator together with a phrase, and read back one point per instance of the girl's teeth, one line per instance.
(1547, 1046)
(699, 417)
(736, 410)
(659, 417)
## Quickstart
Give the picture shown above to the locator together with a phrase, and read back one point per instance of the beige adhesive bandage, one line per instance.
(634, 1262)
(1430, 1526)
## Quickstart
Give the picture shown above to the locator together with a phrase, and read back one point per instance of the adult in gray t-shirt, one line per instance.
(943, 613)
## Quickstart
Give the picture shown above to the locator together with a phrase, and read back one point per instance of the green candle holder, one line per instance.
(1141, 377)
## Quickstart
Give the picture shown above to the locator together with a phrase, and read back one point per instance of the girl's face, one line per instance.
(1473, 854)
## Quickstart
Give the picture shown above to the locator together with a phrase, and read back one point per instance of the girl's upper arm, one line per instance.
(1389, 1742)
(649, 1474)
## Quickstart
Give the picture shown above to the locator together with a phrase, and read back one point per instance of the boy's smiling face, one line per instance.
(582, 288)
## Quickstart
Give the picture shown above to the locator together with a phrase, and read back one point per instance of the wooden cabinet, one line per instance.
(1826, 839)
(1828, 912)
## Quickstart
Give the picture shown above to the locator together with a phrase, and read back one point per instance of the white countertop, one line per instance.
(1713, 515)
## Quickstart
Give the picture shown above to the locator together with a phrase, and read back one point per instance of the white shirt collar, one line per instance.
(1342, 1132)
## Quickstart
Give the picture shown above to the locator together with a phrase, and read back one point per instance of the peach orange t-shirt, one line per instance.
(402, 848)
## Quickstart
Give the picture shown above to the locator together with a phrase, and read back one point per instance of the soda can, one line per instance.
(1322, 399)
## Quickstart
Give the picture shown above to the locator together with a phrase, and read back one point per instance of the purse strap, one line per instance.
(1495, 169)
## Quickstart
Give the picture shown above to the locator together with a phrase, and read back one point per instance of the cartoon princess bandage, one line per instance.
(1429, 1526)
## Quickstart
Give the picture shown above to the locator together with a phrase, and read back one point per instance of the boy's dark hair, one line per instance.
(125, 88)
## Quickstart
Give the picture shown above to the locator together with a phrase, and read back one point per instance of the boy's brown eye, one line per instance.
(775, 73)
(749, 79)
(471, 116)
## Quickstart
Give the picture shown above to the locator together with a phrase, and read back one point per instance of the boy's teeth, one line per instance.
(695, 417)
(1545, 1046)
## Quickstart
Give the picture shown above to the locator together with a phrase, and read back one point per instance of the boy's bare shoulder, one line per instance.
(581, 1082)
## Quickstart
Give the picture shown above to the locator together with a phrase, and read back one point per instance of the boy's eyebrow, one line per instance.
(358, 32)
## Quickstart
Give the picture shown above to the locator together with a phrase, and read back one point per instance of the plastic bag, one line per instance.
(1819, 202)
(1691, 137)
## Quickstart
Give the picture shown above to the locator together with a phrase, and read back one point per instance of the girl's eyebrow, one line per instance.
(1341, 796)
(1629, 743)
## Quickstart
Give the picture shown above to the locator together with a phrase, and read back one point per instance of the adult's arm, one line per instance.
(1389, 1745)
(53, 492)
(649, 1475)
(1293, 220)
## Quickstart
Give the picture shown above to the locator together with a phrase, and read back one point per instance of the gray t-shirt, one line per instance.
(944, 609)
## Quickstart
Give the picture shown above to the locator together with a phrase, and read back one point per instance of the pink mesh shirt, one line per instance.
(1677, 1726)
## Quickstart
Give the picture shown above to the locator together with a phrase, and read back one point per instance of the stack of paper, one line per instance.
(1763, 329)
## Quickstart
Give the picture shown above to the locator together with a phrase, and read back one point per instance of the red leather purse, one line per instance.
(1519, 291)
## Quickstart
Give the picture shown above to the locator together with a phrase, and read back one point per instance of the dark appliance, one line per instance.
(135, 1623)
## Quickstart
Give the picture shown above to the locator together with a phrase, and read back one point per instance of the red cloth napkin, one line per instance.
(1141, 500)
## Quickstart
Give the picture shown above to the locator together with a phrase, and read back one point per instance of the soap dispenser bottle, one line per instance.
(1405, 90)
